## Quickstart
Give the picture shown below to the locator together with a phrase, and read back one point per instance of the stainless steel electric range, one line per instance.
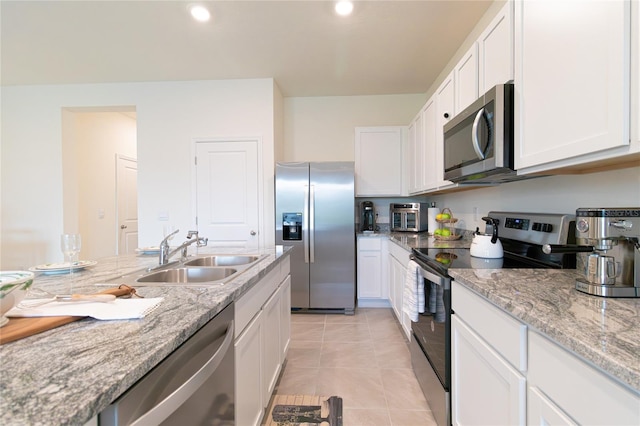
(522, 236)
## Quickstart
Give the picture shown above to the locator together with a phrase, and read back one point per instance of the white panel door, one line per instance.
(227, 192)
(127, 199)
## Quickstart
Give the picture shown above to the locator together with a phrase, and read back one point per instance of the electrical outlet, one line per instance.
(475, 214)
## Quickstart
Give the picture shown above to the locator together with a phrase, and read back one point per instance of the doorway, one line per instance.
(92, 139)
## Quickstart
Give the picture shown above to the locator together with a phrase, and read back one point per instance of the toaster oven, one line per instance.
(408, 217)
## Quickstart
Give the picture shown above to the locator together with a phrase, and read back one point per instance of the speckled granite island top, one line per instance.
(69, 374)
(603, 331)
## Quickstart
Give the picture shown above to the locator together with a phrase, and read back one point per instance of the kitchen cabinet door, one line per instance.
(379, 158)
(542, 411)
(572, 81)
(285, 320)
(445, 104)
(271, 351)
(577, 391)
(398, 261)
(248, 350)
(373, 288)
(415, 148)
(430, 160)
(635, 76)
(486, 389)
(495, 50)
(466, 79)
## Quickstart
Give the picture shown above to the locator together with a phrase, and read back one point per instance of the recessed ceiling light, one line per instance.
(344, 8)
(200, 13)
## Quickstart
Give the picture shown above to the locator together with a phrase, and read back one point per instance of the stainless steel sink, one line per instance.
(222, 260)
(187, 275)
(198, 271)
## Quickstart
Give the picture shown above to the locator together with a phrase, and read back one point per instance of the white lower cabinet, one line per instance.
(563, 389)
(503, 373)
(271, 344)
(488, 361)
(398, 260)
(486, 389)
(263, 328)
(248, 405)
(373, 288)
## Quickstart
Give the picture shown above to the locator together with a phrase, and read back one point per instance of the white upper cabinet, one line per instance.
(422, 150)
(635, 76)
(466, 79)
(572, 63)
(431, 174)
(445, 107)
(495, 50)
(415, 147)
(379, 155)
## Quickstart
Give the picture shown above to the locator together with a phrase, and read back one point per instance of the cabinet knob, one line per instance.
(446, 115)
(123, 226)
(252, 232)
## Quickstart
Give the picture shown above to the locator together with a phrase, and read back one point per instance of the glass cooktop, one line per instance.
(516, 255)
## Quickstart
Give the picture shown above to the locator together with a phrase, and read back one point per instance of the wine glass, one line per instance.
(70, 245)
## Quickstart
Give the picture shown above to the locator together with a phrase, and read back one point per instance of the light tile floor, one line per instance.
(363, 358)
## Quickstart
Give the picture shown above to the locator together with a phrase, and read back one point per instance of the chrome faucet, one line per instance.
(165, 254)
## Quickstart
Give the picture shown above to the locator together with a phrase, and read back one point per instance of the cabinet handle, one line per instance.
(123, 226)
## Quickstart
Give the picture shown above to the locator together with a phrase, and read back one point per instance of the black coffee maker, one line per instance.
(367, 216)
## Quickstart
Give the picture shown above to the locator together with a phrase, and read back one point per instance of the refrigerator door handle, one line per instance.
(312, 220)
(305, 225)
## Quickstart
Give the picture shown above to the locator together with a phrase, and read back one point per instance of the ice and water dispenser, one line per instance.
(292, 226)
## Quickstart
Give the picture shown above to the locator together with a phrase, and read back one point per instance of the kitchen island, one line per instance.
(69, 374)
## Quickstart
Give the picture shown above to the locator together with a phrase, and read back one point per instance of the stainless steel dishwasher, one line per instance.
(192, 386)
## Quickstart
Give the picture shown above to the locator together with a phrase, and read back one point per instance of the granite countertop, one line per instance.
(409, 240)
(605, 332)
(69, 374)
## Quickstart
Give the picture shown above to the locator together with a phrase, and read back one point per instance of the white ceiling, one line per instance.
(385, 47)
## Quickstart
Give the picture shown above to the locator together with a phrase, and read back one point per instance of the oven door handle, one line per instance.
(431, 275)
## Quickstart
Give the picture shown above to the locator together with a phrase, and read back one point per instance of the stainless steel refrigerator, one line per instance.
(315, 214)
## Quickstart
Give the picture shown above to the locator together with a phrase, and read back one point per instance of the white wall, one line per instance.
(323, 128)
(170, 116)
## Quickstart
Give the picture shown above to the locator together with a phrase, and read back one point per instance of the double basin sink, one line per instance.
(196, 271)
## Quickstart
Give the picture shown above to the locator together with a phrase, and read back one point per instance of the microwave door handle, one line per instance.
(474, 135)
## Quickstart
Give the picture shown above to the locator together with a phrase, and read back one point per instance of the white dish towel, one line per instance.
(413, 296)
(119, 309)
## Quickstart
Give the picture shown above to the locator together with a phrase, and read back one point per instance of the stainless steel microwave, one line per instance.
(478, 142)
(409, 217)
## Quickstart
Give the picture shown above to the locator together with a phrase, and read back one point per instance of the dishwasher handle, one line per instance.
(172, 402)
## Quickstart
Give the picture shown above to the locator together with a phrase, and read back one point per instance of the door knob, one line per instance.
(123, 226)
(253, 232)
